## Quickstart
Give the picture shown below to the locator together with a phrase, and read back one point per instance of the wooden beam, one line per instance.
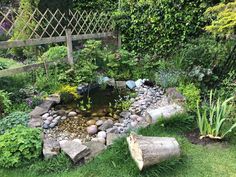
(31, 42)
(14, 71)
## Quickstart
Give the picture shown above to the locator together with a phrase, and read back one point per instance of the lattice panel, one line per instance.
(39, 25)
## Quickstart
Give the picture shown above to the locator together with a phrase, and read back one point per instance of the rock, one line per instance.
(134, 124)
(47, 122)
(101, 140)
(74, 149)
(96, 148)
(107, 124)
(165, 111)
(52, 125)
(50, 118)
(134, 117)
(45, 116)
(99, 122)
(61, 112)
(130, 84)
(92, 129)
(72, 114)
(111, 137)
(45, 126)
(63, 118)
(55, 98)
(139, 83)
(102, 134)
(125, 114)
(140, 119)
(51, 148)
(91, 122)
(112, 130)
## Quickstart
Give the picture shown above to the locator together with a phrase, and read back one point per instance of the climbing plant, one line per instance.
(158, 26)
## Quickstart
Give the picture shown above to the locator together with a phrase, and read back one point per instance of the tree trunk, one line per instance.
(147, 151)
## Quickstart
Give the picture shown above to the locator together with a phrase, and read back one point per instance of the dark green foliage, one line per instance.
(12, 120)
(95, 5)
(202, 58)
(19, 145)
(56, 165)
(158, 26)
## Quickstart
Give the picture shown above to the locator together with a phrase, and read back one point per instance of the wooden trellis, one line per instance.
(51, 26)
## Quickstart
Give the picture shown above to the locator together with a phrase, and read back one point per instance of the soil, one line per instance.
(193, 137)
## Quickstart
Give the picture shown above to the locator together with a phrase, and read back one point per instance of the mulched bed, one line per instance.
(193, 137)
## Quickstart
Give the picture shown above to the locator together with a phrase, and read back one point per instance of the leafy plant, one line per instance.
(19, 145)
(12, 120)
(5, 102)
(168, 78)
(85, 106)
(192, 94)
(121, 64)
(212, 118)
(54, 54)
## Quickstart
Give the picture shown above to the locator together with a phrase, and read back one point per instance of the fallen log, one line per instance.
(147, 151)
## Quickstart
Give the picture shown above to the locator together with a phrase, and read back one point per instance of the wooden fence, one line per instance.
(36, 28)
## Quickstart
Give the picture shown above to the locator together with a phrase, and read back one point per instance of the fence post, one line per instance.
(69, 47)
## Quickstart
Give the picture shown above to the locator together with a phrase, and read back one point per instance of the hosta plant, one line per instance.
(212, 118)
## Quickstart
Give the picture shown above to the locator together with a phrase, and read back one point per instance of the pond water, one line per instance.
(100, 109)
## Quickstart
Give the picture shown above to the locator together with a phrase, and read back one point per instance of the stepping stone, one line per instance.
(74, 149)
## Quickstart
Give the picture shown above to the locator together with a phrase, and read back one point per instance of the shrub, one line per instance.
(212, 118)
(192, 94)
(19, 145)
(168, 78)
(54, 54)
(158, 26)
(121, 64)
(68, 93)
(12, 120)
(5, 102)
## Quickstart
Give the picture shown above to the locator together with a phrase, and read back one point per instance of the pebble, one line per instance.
(72, 114)
(47, 121)
(134, 124)
(45, 115)
(102, 134)
(99, 122)
(91, 122)
(92, 129)
(102, 140)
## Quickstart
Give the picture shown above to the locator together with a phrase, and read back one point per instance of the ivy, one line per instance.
(158, 26)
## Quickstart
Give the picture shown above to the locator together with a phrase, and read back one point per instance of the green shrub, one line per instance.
(121, 64)
(212, 118)
(12, 120)
(58, 164)
(54, 54)
(5, 102)
(168, 78)
(192, 94)
(158, 26)
(19, 145)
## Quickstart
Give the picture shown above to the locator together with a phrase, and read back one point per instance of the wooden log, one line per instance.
(147, 151)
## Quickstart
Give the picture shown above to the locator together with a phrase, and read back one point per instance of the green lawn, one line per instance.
(196, 161)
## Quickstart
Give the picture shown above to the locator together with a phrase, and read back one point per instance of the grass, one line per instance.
(196, 160)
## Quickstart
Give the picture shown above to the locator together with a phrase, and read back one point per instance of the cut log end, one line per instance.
(147, 151)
